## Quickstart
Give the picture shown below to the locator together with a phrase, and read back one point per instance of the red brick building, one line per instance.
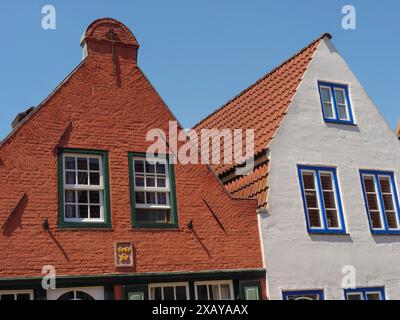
(76, 193)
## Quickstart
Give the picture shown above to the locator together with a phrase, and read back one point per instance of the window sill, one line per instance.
(349, 123)
(157, 226)
(83, 225)
(60, 229)
(329, 232)
(386, 233)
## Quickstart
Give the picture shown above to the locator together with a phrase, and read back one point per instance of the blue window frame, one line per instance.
(381, 201)
(377, 293)
(303, 295)
(321, 198)
(335, 102)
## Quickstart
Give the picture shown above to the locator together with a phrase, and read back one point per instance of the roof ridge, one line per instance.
(326, 34)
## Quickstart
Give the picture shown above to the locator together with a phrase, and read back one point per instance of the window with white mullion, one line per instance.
(214, 290)
(152, 190)
(169, 291)
(327, 101)
(373, 203)
(83, 188)
(385, 187)
(329, 200)
(312, 199)
(342, 110)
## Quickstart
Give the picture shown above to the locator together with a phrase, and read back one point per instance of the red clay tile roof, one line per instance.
(261, 107)
(253, 186)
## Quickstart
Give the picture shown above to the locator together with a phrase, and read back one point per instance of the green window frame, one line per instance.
(63, 223)
(173, 223)
(248, 288)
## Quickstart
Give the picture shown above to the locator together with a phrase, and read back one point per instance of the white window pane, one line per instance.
(214, 292)
(328, 110)
(384, 183)
(225, 292)
(83, 212)
(308, 180)
(139, 166)
(162, 198)
(369, 184)
(326, 94)
(169, 293)
(372, 201)
(340, 97)
(342, 112)
(311, 199)
(70, 163)
(94, 197)
(391, 219)
(160, 168)
(332, 219)
(94, 164)
(83, 197)
(150, 197)
(376, 219)
(326, 181)
(70, 178)
(140, 198)
(150, 168)
(373, 296)
(202, 292)
(70, 196)
(354, 296)
(314, 218)
(329, 200)
(161, 183)
(150, 182)
(83, 178)
(95, 212)
(94, 179)
(181, 293)
(82, 163)
(70, 211)
(139, 181)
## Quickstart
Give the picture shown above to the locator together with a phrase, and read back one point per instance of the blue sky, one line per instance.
(198, 54)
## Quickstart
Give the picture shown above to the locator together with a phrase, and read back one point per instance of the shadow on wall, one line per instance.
(331, 238)
(386, 238)
(344, 127)
(14, 220)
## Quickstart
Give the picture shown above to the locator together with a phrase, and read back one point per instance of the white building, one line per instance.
(322, 149)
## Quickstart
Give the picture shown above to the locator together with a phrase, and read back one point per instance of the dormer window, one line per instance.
(335, 103)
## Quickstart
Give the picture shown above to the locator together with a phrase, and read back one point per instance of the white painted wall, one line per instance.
(294, 259)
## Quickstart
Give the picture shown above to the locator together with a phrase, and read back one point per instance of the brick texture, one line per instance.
(111, 108)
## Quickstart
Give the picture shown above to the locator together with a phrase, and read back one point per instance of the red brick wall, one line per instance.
(112, 115)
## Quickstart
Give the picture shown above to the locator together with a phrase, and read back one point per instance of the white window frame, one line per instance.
(172, 284)
(335, 116)
(379, 195)
(332, 87)
(166, 189)
(320, 202)
(219, 283)
(17, 292)
(78, 187)
(345, 104)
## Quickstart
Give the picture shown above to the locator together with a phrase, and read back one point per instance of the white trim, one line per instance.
(171, 284)
(78, 187)
(219, 283)
(16, 292)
